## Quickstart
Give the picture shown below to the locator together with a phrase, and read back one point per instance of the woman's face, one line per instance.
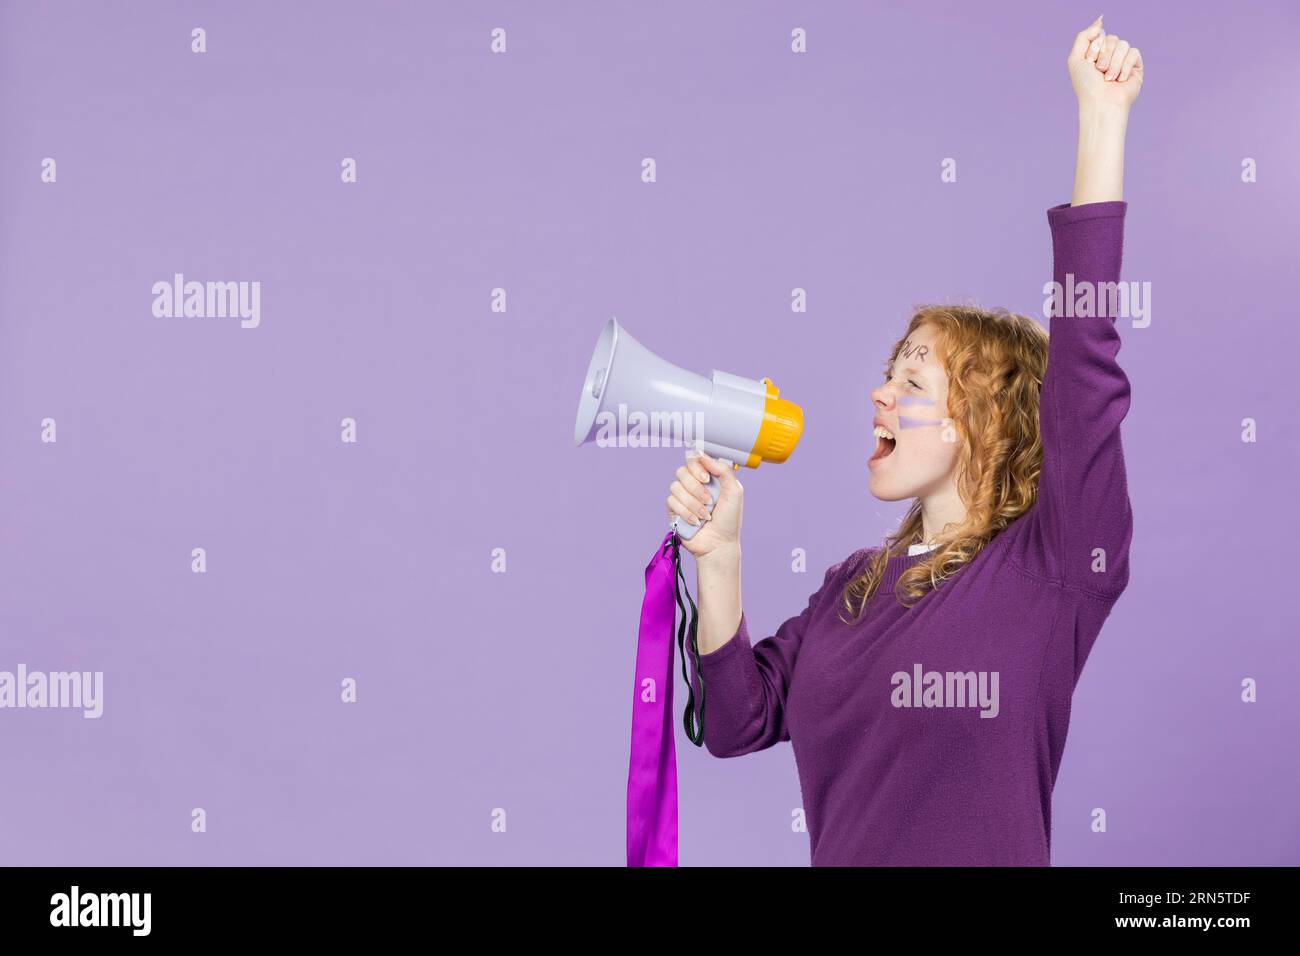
(912, 405)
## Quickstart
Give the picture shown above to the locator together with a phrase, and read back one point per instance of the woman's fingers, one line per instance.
(1107, 49)
(697, 468)
(1094, 48)
(726, 475)
(692, 485)
(681, 502)
(1117, 60)
(691, 500)
(1085, 37)
(677, 510)
(1133, 61)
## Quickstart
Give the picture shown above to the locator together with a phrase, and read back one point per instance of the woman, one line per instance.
(926, 686)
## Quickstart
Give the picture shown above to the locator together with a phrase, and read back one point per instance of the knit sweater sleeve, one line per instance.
(1081, 524)
(745, 685)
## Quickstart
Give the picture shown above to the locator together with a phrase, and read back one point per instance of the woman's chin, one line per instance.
(886, 490)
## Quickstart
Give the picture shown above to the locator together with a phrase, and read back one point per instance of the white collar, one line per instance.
(919, 548)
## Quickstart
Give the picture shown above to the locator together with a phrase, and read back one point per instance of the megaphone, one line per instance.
(741, 421)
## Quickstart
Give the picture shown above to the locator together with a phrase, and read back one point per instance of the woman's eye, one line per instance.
(910, 382)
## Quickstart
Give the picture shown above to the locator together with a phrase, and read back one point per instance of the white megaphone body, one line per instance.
(741, 421)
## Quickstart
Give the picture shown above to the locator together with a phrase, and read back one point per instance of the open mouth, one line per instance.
(885, 443)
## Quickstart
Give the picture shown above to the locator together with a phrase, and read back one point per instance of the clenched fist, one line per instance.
(1105, 70)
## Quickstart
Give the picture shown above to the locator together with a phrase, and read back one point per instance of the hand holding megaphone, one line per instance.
(707, 490)
(731, 420)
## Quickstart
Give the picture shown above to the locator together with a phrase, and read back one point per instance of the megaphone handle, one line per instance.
(686, 530)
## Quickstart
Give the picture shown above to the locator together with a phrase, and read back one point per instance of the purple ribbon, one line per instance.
(652, 766)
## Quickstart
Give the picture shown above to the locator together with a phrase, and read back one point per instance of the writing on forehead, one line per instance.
(918, 352)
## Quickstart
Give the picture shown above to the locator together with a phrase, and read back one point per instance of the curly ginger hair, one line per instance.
(995, 361)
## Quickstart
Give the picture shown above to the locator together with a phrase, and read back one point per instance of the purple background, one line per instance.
(480, 690)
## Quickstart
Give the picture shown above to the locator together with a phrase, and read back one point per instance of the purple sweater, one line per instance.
(963, 773)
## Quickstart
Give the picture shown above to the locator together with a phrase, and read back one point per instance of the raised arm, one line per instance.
(1106, 73)
(1083, 515)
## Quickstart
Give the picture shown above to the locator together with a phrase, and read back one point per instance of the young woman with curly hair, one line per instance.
(926, 687)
